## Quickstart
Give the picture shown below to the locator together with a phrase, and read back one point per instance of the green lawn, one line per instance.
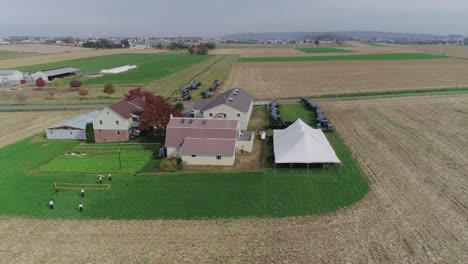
(323, 50)
(4, 55)
(25, 191)
(388, 56)
(101, 159)
(150, 66)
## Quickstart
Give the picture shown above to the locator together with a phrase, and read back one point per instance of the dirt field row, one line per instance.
(20, 125)
(48, 58)
(294, 79)
(413, 151)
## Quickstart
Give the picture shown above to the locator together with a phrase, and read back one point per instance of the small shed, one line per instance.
(74, 128)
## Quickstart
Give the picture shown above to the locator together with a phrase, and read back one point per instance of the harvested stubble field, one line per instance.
(20, 125)
(452, 51)
(295, 79)
(415, 213)
(5, 55)
(41, 48)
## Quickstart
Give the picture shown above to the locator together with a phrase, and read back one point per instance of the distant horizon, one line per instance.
(214, 18)
(226, 34)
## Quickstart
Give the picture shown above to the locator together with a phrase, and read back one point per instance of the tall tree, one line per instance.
(40, 83)
(156, 115)
(109, 89)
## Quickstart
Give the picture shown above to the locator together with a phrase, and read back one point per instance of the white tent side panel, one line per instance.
(66, 134)
(300, 143)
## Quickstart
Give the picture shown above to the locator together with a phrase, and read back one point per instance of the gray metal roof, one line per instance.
(236, 98)
(7, 72)
(78, 121)
(59, 71)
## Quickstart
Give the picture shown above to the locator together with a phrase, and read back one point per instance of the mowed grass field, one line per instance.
(323, 50)
(150, 67)
(363, 57)
(25, 190)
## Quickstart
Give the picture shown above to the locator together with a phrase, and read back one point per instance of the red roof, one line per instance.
(208, 147)
(179, 129)
(126, 108)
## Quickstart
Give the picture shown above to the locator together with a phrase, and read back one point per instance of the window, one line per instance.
(193, 156)
(71, 133)
(100, 122)
(211, 114)
(225, 115)
(51, 132)
(117, 122)
(118, 133)
(218, 157)
(135, 119)
(238, 115)
(107, 112)
(99, 132)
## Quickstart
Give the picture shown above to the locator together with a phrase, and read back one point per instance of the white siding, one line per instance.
(109, 121)
(173, 152)
(66, 134)
(227, 112)
(209, 160)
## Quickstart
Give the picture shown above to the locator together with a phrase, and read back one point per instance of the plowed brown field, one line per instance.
(294, 79)
(413, 151)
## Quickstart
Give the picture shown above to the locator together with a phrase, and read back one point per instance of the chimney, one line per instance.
(171, 116)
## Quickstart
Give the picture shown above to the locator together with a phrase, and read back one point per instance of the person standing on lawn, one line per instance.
(82, 192)
(110, 177)
(100, 179)
(80, 207)
(51, 204)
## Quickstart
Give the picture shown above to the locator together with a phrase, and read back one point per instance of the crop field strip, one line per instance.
(411, 212)
(323, 50)
(5, 55)
(361, 57)
(297, 79)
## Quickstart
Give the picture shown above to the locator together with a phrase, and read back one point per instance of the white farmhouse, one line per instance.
(234, 104)
(118, 122)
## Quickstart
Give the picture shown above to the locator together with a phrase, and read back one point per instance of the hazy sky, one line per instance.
(215, 18)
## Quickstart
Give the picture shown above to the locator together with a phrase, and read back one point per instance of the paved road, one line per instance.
(261, 102)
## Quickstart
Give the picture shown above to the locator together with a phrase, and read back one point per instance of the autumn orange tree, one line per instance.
(156, 115)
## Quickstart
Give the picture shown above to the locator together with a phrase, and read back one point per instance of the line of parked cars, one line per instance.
(186, 89)
(208, 92)
(321, 121)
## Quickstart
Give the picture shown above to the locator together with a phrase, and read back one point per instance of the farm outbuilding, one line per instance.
(299, 143)
(10, 76)
(57, 73)
(74, 128)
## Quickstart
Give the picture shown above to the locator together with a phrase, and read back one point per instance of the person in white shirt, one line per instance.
(51, 204)
(100, 179)
(82, 192)
(110, 177)
(80, 206)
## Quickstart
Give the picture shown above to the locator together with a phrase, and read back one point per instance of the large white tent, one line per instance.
(299, 143)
